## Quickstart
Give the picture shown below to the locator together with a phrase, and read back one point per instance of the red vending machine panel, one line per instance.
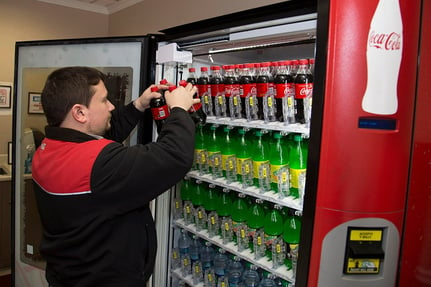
(365, 142)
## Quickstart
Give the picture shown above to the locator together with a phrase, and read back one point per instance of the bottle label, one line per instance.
(269, 239)
(160, 113)
(262, 89)
(201, 156)
(214, 158)
(246, 89)
(279, 171)
(216, 90)
(257, 167)
(303, 90)
(228, 161)
(296, 176)
(240, 162)
(284, 90)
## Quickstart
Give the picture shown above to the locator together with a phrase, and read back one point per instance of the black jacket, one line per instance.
(93, 197)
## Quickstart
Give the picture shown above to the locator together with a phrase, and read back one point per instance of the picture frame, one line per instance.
(5, 96)
(34, 103)
(9, 153)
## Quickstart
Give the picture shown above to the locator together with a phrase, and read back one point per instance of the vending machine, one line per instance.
(341, 209)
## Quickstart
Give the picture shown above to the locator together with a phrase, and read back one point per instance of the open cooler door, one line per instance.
(275, 33)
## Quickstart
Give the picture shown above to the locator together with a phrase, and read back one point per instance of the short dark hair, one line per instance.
(66, 87)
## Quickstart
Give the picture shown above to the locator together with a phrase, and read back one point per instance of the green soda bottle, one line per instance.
(243, 159)
(298, 166)
(260, 160)
(255, 220)
(228, 156)
(210, 204)
(214, 145)
(239, 213)
(186, 197)
(279, 161)
(201, 153)
(273, 227)
(224, 210)
(291, 236)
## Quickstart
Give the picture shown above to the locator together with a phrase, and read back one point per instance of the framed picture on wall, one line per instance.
(34, 103)
(5, 94)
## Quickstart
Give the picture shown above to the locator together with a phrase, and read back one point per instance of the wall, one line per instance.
(27, 20)
(151, 16)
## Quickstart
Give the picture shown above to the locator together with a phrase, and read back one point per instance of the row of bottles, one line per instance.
(269, 91)
(268, 160)
(215, 267)
(266, 229)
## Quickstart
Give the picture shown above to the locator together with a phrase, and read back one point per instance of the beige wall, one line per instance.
(151, 16)
(28, 20)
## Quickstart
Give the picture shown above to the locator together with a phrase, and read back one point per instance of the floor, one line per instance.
(5, 278)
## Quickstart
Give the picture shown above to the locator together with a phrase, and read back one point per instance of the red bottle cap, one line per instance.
(204, 69)
(303, 62)
(163, 82)
(215, 68)
(183, 83)
(191, 70)
(154, 89)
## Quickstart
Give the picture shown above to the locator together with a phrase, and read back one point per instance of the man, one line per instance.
(93, 192)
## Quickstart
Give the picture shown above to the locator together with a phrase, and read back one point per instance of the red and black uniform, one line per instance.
(93, 197)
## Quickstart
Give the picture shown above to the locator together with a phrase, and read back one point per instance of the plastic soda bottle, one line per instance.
(291, 236)
(228, 156)
(159, 108)
(260, 160)
(239, 213)
(204, 90)
(199, 209)
(231, 92)
(224, 210)
(214, 145)
(217, 92)
(298, 166)
(285, 92)
(244, 165)
(211, 202)
(303, 91)
(247, 87)
(279, 161)
(186, 195)
(273, 227)
(201, 153)
(256, 219)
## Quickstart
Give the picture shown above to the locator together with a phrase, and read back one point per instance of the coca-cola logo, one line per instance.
(305, 91)
(391, 41)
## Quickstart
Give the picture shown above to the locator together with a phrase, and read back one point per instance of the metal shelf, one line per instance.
(263, 263)
(271, 196)
(259, 124)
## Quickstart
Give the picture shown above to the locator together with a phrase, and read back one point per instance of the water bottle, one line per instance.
(235, 270)
(250, 277)
(221, 262)
(207, 256)
(194, 248)
(184, 243)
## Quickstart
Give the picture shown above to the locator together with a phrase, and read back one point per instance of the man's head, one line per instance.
(76, 97)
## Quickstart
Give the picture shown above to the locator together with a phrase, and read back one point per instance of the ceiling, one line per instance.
(99, 6)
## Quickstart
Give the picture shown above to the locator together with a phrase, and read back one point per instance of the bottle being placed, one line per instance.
(384, 54)
(196, 111)
(303, 92)
(285, 92)
(204, 90)
(297, 166)
(265, 93)
(247, 87)
(159, 108)
(217, 92)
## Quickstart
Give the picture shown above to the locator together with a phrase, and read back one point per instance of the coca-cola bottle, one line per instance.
(204, 91)
(231, 90)
(195, 112)
(265, 94)
(159, 108)
(284, 93)
(217, 92)
(247, 87)
(303, 92)
(311, 66)
(384, 52)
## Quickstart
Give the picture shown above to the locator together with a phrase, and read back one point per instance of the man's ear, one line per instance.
(79, 113)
